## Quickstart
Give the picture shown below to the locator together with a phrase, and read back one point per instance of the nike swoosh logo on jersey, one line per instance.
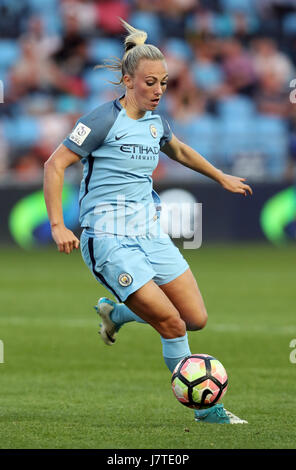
(120, 137)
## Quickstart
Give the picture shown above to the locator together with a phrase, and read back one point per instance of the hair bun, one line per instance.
(136, 37)
(129, 46)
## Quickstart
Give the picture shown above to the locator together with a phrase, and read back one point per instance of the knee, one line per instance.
(198, 323)
(173, 327)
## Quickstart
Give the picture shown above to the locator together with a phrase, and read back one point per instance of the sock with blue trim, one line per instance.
(174, 350)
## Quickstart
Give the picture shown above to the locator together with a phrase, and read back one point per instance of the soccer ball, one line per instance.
(199, 381)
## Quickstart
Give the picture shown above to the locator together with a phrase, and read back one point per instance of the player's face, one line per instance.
(149, 83)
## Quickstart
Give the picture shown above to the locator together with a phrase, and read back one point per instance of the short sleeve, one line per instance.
(167, 133)
(91, 130)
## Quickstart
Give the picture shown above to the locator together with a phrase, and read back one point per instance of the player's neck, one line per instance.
(131, 108)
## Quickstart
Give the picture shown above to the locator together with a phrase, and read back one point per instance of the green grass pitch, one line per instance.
(61, 387)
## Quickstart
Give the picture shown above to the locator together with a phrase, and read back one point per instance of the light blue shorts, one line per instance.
(123, 264)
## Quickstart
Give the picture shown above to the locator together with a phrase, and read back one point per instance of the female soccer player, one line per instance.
(122, 243)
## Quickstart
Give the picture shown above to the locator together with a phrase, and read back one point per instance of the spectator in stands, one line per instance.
(27, 166)
(106, 11)
(238, 67)
(271, 96)
(81, 14)
(45, 44)
(173, 17)
(71, 55)
(208, 75)
(244, 26)
(188, 105)
(222, 61)
(13, 17)
(180, 79)
(267, 59)
(33, 73)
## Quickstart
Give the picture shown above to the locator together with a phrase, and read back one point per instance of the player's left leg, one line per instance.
(185, 295)
(127, 270)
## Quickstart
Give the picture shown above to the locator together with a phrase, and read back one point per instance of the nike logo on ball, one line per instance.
(120, 137)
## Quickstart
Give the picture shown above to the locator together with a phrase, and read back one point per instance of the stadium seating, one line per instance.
(245, 6)
(21, 131)
(148, 22)
(228, 127)
(9, 53)
(236, 107)
(179, 48)
(272, 141)
(98, 81)
(289, 24)
(207, 76)
(100, 49)
(201, 133)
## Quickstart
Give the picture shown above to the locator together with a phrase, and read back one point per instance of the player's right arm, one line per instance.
(54, 169)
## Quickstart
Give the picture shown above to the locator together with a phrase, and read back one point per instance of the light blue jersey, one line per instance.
(119, 155)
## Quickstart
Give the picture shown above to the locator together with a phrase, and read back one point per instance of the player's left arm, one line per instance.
(182, 153)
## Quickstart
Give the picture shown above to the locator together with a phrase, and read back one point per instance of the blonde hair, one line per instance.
(135, 50)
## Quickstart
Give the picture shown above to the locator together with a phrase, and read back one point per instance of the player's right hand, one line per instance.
(65, 240)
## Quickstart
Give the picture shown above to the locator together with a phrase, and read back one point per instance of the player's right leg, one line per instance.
(150, 305)
(120, 268)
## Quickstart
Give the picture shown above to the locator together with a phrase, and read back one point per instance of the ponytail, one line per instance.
(136, 37)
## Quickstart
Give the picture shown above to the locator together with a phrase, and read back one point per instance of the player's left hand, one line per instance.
(235, 184)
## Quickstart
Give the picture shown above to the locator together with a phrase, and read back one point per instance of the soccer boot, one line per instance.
(108, 329)
(217, 414)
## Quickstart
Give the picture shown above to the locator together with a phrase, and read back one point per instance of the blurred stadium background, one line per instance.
(231, 66)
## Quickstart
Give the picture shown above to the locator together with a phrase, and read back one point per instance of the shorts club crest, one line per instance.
(125, 279)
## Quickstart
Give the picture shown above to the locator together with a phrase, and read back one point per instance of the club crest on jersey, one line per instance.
(79, 134)
(125, 279)
(153, 131)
